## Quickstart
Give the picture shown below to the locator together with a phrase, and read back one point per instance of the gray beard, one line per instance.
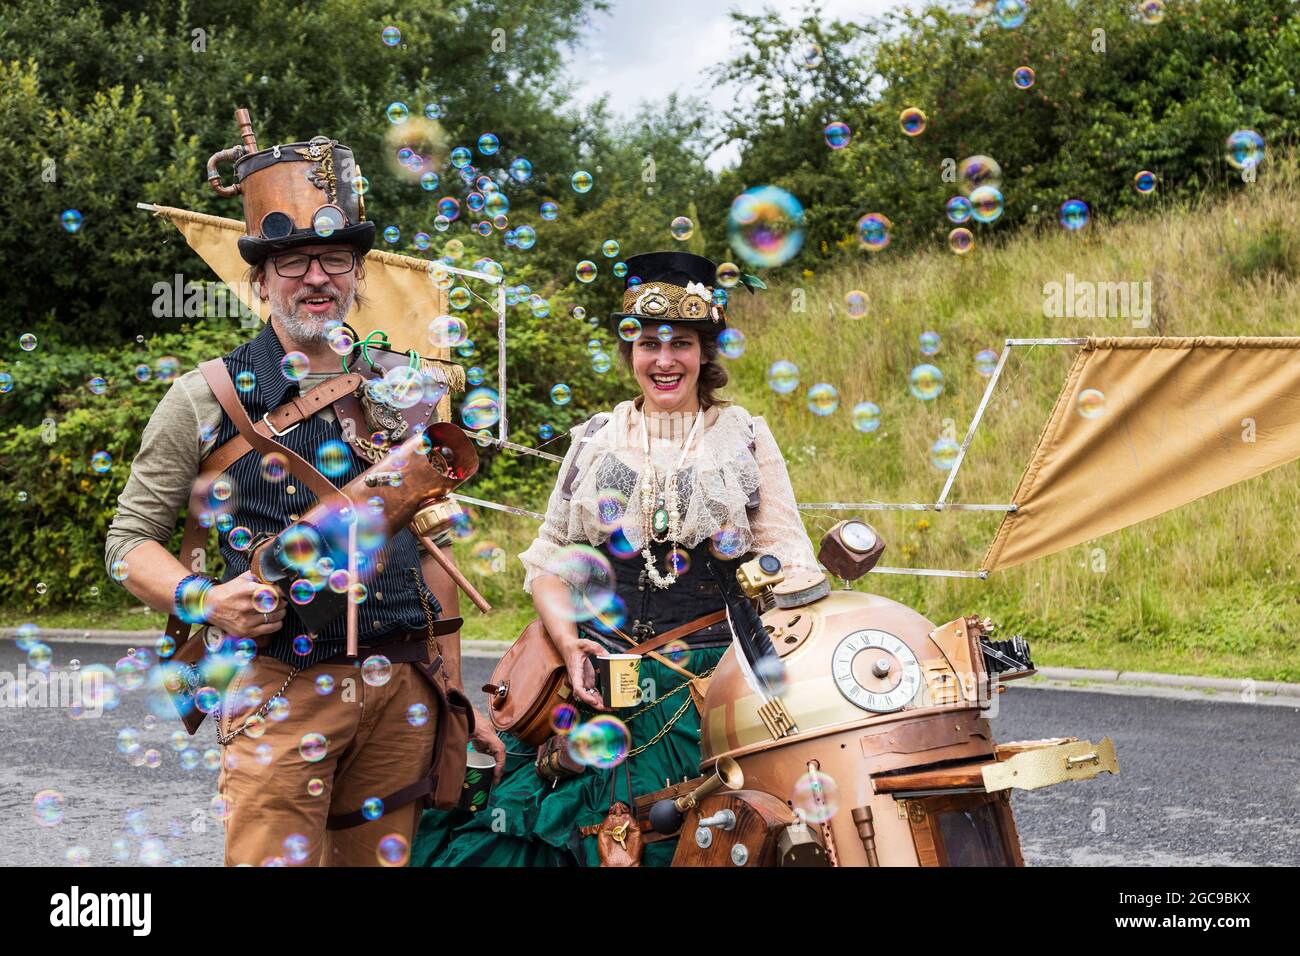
(307, 331)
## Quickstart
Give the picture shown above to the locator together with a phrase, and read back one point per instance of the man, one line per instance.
(310, 736)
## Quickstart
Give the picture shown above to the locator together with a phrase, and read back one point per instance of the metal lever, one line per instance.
(723, 820)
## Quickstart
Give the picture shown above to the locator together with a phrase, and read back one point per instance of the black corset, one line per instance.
(652, 610)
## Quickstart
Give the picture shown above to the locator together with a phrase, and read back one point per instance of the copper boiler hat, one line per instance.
(295, 194)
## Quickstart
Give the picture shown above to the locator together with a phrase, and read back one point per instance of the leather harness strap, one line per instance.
(682, 630)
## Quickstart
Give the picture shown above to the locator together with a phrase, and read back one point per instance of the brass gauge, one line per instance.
(850, 549)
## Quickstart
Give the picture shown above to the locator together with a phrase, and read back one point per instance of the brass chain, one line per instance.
(226, 739)
(662, 730)
(655, 703)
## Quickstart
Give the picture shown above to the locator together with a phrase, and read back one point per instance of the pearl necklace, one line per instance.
(671, 520)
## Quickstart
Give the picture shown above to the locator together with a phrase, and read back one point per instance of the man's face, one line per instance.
(304, 304)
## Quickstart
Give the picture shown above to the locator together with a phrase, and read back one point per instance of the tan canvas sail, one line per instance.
(1181, 418)
(401, 300)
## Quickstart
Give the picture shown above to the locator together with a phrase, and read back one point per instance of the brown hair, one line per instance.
(713, 375)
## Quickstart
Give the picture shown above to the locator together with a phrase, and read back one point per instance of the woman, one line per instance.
(673, 488)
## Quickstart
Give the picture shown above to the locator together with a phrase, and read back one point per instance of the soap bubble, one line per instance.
(866, 416)
(448, 331)
(873, 231)
(1152, 11)
(561, 394)
(855, 303)
(393, 850)
(610, 248)
(1245, 149)
(837, 135)
(47, 808)
(961, 241)
(488, 144)
(986, 203)
(313, 747)
(958, 210)
(1144, 181)
(1074, 214)
(1091, 403)
(765, 226)
(1023, 77)
(376, 670)
(986, 362)
(27, 341)
(728, 275)
(913, 121)
(629, 329)
(823, 399)
(681, 228)
(521, 170)
(816, 797)
(976, 171)
(601, 742)
(481, 408)
(943, 454)
(731, 343)
(391, 36)
(397, 113)
(930, 343)
(925, 382)
(1010, 13)
(548, 210)
(333, 458)
(71, 220)
(783, 377)
(581, 181)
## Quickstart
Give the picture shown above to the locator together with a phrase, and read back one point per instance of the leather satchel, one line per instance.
(531, 680)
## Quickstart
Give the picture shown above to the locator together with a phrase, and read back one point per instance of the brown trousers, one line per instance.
(372, 749)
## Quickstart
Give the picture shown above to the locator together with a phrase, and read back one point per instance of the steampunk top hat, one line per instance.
(296, 194)
(678, 288)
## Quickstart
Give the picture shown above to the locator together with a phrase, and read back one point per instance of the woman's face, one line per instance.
(668, 372)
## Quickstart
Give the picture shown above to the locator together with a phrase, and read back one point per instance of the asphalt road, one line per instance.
(1201, 784)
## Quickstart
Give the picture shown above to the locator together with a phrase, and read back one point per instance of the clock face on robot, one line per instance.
(875, 670)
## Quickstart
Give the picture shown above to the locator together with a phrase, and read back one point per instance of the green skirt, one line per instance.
(529, 822)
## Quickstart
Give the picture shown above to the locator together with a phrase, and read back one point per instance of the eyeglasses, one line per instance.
(336, 262)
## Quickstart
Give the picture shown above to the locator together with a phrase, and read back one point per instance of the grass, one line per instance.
(1206, 589)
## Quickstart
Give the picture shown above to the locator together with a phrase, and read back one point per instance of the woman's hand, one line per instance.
(486, 741)
(230, 607)
(582, 676)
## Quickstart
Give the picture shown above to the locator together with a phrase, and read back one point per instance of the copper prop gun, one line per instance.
(413, 482)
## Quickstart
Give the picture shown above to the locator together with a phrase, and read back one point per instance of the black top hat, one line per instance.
(296, 194)
(676, 288)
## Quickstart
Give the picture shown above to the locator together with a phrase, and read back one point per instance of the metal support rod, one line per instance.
(502, 426)
(974, 424)
(485, 276)
(508, 509)
(894, 506)
(1044, 341)
(931, 572)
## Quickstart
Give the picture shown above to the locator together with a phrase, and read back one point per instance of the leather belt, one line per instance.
(411, 647)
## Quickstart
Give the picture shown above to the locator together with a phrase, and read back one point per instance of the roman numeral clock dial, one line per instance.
(875, 670)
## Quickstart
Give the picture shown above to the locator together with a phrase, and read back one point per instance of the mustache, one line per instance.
(312, 291)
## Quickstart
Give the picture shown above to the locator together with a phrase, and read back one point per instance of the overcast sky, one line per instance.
(646, 49)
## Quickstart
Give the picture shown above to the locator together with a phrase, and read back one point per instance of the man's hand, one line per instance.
(486, 741)
(230, 607)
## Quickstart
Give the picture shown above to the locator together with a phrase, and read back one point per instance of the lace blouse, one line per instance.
(715, 482)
